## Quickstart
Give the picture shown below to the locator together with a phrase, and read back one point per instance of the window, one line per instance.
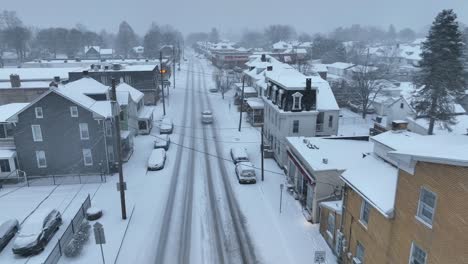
(39, 113)
(110, 153)
(426, 207)
(296, 126)
(87, 157)
(37, 133)
(5, 165)
(84, 133)
(142, 125)
(402, 105)
(74, 111)
(365, 210)
(417, 256)
(360, 252)
(330, 121)
(331, 224)
(122, 116)
(41, 159)
(297, 98)
(3, 133)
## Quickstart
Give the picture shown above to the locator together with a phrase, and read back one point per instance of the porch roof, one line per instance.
(7, 153)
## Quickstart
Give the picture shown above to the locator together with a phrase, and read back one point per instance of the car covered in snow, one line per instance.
(36, 232)
(157, 159)
(162, 141)
(207, 117)
(166, 126)
(245, 172)
(8, 230)
(239, 154)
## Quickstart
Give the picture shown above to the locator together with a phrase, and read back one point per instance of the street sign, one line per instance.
(281, 186)
(319, 257)
(99, 233)
(124, 185)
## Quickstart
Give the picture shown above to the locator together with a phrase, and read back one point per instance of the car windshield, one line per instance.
(32, 227)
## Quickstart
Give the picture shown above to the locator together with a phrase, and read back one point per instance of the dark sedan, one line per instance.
(36, 232)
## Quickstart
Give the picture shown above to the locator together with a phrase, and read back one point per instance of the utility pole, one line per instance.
(262, 147)
(119, 150)
(241, 103)
(178, 54)
(173, 72)
(161, 71)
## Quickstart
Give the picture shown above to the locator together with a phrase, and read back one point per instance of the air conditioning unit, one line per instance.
(357, 261)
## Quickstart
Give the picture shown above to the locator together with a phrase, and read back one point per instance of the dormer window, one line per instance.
(297, 101)
(273, 93)
(280, 98)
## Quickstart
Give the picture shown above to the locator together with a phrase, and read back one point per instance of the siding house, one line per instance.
(404, 203)
(296, 105)
(67, 130)
(144, 78)
(8, 160)
(315, 165)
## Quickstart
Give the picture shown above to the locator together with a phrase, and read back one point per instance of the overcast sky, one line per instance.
(309, 16)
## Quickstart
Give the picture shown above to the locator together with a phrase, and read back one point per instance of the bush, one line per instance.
(75, 245)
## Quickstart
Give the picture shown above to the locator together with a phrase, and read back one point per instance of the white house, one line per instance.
(297, 105)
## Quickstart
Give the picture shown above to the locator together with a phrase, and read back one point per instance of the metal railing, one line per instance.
(73, 227)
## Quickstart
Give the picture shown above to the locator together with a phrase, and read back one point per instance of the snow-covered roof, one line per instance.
(8, 110)
(123, 97)
(125, 68)
(36, 74)
(340, 65)
(36, 84)
(375, 180)
(134, 93)
(339, 154)
(87, 85)
(255, 103)
(102, 108)
(282, 45)
(106, 51)
(87, 48)
(335, 206)
(318, 67)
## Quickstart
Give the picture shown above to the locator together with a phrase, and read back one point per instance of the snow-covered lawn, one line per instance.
(352, 124)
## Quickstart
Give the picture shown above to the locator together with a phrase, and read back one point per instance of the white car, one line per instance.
(207, 117)
(162, 141)
(245, 172)
(166, 126)
(239, 154)
(157, 159)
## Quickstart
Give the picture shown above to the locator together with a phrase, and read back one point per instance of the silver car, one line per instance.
(207, 117)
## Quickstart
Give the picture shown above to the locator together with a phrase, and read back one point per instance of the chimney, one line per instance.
(263, 59)
(15, 81)
(308, 83)
(269, 68)
(85, 74)
(325, 161)
(57, 79)
(399, 125)
(92, 67)
(106, 67)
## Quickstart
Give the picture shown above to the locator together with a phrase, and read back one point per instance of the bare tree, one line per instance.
(365, 86)
(14, 33)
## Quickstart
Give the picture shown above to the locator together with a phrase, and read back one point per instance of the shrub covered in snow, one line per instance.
(93, 213)
(75, 245)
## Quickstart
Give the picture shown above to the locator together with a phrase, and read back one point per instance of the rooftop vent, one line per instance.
(325, 161)
(269, 68)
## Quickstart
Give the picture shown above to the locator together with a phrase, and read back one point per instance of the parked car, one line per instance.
(207, 117)
(157, 159)
(166, 126)
(245, 172)
(8, 230)
(162, 141)
(239, 154)
(213, 90)
(36, 232)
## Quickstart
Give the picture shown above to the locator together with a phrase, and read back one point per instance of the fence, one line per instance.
(53, 180)
(73, 227)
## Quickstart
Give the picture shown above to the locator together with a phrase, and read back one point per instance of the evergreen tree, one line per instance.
(441, 71)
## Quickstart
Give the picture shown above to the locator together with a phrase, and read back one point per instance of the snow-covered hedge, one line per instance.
(75, 245)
